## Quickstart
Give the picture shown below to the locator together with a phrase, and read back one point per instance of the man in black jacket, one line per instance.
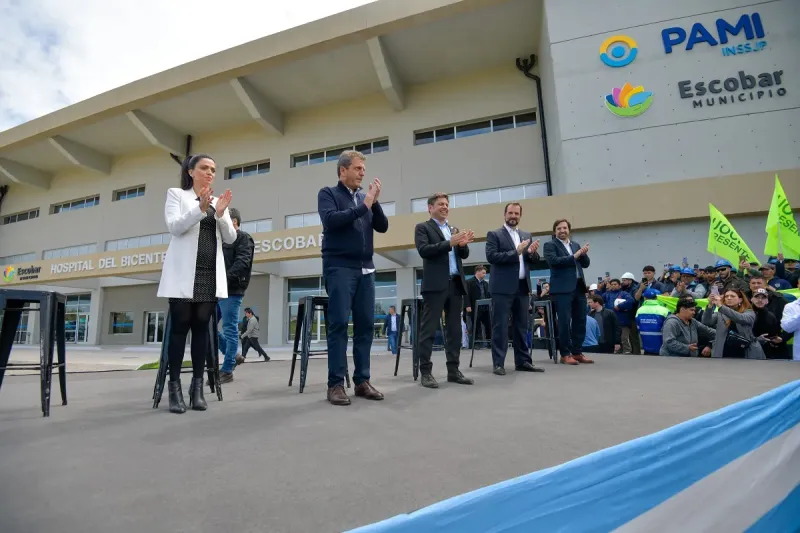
(238, 265)
(478, 289)
(442, 248)
(349, 219)
(511, 252)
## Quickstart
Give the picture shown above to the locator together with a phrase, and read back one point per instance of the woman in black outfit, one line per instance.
(193, 275)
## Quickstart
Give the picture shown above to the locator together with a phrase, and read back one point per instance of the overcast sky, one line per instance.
(57, 52)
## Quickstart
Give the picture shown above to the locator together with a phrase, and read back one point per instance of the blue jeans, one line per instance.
(392, 340)
(349, 290)
(228, 310)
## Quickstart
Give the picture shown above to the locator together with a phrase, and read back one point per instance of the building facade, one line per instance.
(436, 99)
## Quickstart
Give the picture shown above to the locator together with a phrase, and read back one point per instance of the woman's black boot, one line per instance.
(196, 399)
(176, 404)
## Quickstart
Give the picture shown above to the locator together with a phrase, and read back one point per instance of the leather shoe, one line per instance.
(499, 371)
(528, 367)
(429, 382)
(337, 395)
(459, 378)
(583, 359)
(366, 390)
(568, 360)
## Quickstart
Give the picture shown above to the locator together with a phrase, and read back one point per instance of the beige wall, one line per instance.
(503, 158)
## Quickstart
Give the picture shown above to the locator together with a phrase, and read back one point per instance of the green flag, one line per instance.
(725, 242)
(781, 227)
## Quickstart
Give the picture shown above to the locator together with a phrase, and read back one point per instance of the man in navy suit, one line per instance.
(567, 259)
(511, 253)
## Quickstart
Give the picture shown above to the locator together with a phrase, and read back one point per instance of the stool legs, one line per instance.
(62, 349)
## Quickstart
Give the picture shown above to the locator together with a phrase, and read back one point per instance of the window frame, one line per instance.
(326, 155)
(450, 132)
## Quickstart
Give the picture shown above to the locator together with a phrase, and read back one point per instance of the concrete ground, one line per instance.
(268, 459)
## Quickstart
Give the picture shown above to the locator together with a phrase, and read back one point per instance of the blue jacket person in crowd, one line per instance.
(567, 259)
(650, 320)
(349, 218)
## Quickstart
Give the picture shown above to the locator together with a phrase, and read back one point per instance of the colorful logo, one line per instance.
(8, 273)
(614, 49)
(628, 101)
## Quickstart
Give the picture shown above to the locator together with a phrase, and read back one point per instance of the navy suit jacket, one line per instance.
(502, 256)
(434, 250)
(563, 274)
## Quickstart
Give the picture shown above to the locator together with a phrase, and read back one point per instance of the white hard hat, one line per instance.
(627, 275)
(593, 287)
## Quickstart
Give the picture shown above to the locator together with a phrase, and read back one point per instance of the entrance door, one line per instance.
(83, 328)
(155, 327)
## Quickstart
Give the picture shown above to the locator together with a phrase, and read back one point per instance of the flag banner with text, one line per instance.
(671, 302)
(782, 237)
(725, 242)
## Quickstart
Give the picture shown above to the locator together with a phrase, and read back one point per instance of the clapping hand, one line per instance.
(223, 202)
(372, 193)
(533, 247)
(205, 198)
(583, 251)
(521, 246)
(466, 237)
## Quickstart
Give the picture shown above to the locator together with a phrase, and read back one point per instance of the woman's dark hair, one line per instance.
(188, 164)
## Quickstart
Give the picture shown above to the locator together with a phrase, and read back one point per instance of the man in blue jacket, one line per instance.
(348, 219)
(650, 319)
(621, 302)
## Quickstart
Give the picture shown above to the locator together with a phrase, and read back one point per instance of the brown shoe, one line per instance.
(337, 396)
(568, 360)
(239, 359)
(583, 359)
(366, 390)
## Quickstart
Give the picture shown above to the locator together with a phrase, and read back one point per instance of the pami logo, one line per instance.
(750, 25)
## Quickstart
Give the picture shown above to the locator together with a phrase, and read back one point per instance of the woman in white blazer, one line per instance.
(193, 274)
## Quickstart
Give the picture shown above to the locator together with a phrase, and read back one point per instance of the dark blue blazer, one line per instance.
(502, 256)
(563, 274)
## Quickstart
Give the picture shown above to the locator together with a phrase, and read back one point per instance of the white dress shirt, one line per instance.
(567, 244)
(364, 271)
(514, 232)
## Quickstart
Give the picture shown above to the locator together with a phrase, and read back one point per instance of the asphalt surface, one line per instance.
(268, 459)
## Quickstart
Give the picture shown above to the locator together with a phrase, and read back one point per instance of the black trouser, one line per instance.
(186, 316)
(251, 342)
(571, 317)
(515, 306)
(450, 301)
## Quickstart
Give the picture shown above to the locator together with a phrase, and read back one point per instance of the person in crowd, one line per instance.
(672, 276)
(706, 277)
(251, 334)
(629, 284)
(650, 319)
(511, 252)
(776, 301)
(193, 275)
(733, 322)
(610, 339)
(478, 289)
(786, 269)
(238, 265)
(791, 324)
(688, 286)
(591, 342)
(649, 281)
(767, 328)
(568, 288)
(621, 303)
(768, 271)
(391, 328)
(682, 334)
(727, 279)
(349, 219)
(442, 248)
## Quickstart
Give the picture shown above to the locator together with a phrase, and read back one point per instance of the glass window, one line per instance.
(144, 241)
(234, 173)
(294, 221)
(333, 155)
(263, 168)
(490, 196)
(385, 294)
(311, 219)
(250, 170)
(512, 194)
(121, 323)
(420, 205)
(424, 137)
(300, 160)
(388, 209)
(476, 128)
(536, 190)
(526, 119)
(316, 158)
(155, 239)
(365, 148)
(263, 225)
(464, 199)
(380, 146)
(504, 123)
(445, 134)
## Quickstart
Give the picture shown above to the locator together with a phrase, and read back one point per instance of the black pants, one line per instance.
(248, 342)
(515, 306)
(450, 301)
(571, 318)
(194, 317)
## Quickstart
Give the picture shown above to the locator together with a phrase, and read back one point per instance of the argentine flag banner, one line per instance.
(733, 470)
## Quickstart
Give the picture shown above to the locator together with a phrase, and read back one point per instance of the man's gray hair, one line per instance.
(346, 159)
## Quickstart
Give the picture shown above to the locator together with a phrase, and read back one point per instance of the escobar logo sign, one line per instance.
(742, 88)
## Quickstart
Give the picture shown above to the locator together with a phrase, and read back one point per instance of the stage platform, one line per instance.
(270, 459)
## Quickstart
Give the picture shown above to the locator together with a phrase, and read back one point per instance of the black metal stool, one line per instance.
(307, 307)
(481, 306)
(412, 307)
(52, 312)
(212, 361)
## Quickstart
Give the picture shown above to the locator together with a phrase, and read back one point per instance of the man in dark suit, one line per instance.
(391, 328)
(511, 252)
(478, 289)
(442, 248)
(567, 259)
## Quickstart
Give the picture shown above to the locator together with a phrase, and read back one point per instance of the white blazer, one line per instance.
(183, 216)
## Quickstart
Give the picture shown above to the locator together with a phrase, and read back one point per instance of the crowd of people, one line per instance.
(720, 311)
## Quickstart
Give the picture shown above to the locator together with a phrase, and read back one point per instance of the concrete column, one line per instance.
(96, 316)
(405, 284)
(276, 318)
